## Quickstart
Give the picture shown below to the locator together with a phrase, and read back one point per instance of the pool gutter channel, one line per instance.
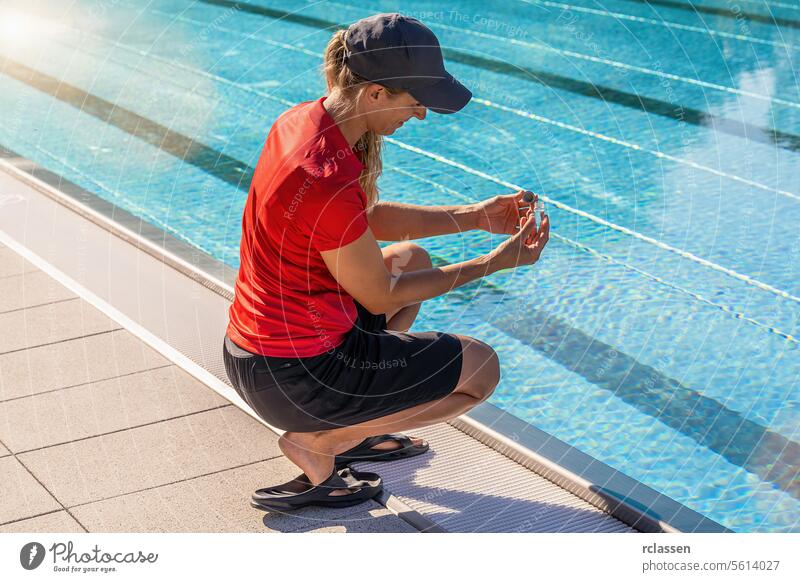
(609, 490)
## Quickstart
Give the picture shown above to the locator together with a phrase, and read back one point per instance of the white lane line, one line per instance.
(663, 23)
(604, 61)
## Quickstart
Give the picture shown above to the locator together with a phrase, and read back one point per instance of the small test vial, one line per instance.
(538, 207)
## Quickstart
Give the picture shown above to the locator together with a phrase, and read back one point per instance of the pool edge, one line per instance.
(616, 493)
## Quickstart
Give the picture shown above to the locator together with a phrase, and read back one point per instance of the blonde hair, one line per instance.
(340, 78)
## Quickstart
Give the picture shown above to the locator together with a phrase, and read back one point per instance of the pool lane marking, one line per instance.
(664, 246)
(745, 443)
(662, 23)
(609, 259)
(484, 102)
(624, 66)
(593, 59)
(722, 12)
(637, 235)
(286, 102)
(678, 112)
(636, 147)
(675, 112)
(123, 202)
(225, 167)
(770, 5)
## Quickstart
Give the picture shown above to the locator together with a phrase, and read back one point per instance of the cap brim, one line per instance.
(446, 96)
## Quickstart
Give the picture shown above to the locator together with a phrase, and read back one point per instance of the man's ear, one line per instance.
(374, 92)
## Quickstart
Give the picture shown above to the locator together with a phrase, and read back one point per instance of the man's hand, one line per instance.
(502, 213)
(523, 247)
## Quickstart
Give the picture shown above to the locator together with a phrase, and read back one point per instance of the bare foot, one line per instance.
(308, 451)
(342, 446)
(314, 455)
(389, 445)
(393, 444)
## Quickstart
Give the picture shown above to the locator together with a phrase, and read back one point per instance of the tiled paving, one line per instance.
(99, 433)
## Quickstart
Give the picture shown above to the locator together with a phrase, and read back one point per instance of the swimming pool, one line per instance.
(659, 333)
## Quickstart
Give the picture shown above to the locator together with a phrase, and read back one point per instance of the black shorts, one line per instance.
(372, 373)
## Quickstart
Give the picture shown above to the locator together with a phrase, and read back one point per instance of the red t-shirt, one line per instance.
(304, 198)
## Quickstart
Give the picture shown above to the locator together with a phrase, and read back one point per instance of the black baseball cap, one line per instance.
(400, 52)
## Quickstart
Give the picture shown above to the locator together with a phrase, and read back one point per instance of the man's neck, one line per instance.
(352, 127)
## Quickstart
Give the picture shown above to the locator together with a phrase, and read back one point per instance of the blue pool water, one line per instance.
(659, 332)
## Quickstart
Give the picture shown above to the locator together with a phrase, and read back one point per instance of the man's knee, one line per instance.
(480, 369)
(420, 258)
(406, 256)
(492, 371)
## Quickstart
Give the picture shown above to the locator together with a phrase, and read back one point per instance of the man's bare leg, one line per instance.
(314, 452)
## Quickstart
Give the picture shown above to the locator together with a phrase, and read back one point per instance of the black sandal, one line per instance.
(299, 492)
(364, 451)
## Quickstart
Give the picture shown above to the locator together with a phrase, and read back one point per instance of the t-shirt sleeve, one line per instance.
(336, 218)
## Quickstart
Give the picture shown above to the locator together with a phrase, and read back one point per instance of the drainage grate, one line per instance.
(464, 486)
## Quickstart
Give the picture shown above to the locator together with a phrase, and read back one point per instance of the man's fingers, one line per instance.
(545, 222)
(544, 231)
(528, 227)
(538, 238)
(523, 222)
(528, 230)
(512, 224)
(533, 235)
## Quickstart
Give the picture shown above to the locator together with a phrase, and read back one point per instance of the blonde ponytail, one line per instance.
(340, 78)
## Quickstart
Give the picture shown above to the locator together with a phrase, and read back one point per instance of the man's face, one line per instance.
(387, 113)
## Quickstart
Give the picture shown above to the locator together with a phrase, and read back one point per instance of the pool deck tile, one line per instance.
(56, 522)
(102, 407)
(46, 324)
(149, 456)
(75, 362)
(22, 495)
(30, 290)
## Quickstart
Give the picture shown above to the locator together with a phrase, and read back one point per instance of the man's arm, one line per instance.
(393, 221)
(359, 268)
